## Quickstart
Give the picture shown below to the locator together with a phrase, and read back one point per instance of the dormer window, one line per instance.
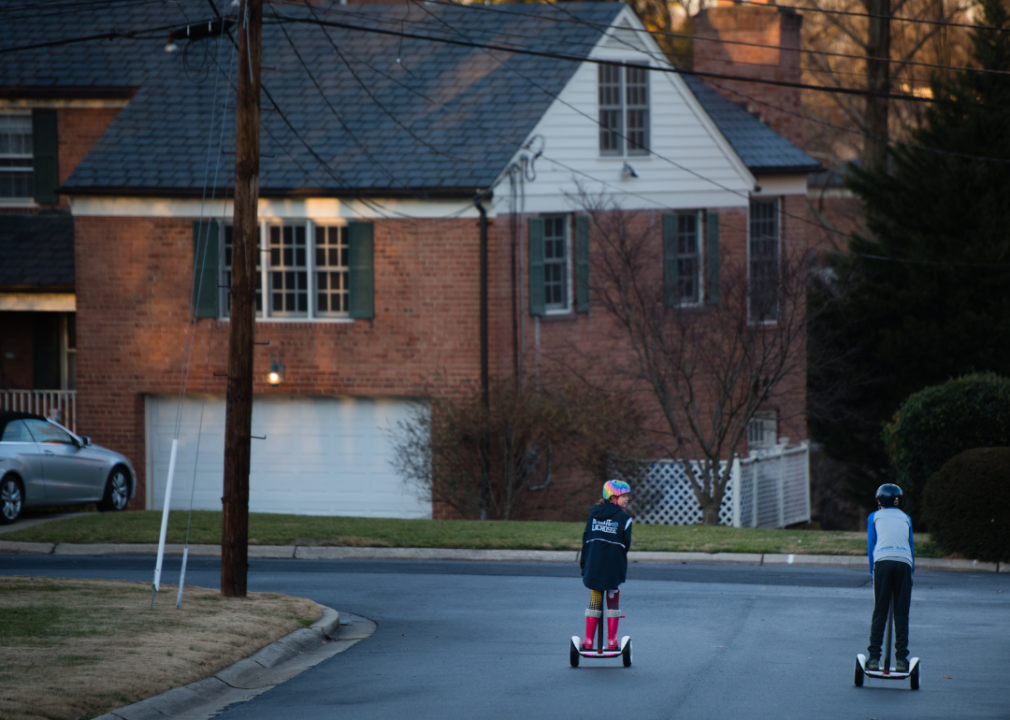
(624, 110)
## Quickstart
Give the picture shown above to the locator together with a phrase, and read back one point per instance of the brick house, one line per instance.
(380, 152)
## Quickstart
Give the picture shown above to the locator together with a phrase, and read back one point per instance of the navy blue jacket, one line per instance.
(605, 544)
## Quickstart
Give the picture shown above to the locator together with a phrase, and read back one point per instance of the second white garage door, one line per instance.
(321, 456)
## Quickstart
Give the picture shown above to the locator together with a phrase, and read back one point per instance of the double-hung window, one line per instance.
(17, 176)
(556, 262)
(302, 271)
(688, 259)
(763, 254)
(623, 109)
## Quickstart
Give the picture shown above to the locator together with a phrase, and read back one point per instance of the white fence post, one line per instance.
(735, 481)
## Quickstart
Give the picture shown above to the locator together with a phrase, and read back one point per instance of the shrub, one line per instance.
(529, 433)
(967, 504)
(937, 423)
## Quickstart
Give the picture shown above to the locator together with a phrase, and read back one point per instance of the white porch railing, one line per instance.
(771, 489)
(60, 405)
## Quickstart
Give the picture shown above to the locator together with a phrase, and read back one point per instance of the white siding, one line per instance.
(691, 164)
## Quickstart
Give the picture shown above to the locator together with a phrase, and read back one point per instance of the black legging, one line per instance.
(891, 578)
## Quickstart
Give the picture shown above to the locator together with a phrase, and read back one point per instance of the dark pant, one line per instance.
(891, 579)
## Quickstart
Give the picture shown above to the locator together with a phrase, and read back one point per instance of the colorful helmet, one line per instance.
(613, 488)
(888, 495)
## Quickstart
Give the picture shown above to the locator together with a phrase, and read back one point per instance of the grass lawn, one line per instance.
(74, 649)
(269, 529)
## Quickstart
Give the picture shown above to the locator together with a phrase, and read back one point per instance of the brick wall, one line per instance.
(134, 281)
(777, 106)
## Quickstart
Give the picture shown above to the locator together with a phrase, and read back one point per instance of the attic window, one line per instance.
(17, 177)
(624, 110)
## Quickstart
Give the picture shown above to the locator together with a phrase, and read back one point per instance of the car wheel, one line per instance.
(117, 491)
(11, 499)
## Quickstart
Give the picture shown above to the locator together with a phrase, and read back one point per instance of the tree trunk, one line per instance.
(238, 412)
(877, 81)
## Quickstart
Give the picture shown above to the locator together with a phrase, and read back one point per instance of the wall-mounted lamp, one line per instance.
(628, 171)
(276, 375)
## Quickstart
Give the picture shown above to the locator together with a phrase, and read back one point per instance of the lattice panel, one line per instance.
(667, 498)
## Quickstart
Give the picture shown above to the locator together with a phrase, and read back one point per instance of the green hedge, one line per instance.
(937, 423)
(967, 504)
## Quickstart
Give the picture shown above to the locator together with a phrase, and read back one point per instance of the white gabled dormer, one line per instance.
(637, 136)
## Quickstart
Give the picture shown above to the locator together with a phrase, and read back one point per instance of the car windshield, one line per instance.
(46, 432)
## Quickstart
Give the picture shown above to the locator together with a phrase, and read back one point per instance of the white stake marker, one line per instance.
(164, 514)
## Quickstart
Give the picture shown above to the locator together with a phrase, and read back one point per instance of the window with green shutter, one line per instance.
(712, 258)
(46, 160)
(536, 258)
(582, 263)
(671, 296)
(361, 270)
(206, 239)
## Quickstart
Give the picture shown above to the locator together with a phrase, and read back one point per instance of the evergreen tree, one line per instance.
(926, 295)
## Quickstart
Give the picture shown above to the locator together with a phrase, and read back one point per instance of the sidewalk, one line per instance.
(305, 552)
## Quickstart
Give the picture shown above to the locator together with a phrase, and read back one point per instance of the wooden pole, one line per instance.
(238, 413)
(878, 79)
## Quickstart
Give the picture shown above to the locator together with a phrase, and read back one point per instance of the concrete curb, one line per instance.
(312, 552)
(268, 667)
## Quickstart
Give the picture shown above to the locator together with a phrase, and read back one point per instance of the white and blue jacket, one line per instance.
(889, 537)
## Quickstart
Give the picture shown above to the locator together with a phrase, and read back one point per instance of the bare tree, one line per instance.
(710, 367)
(534, 433)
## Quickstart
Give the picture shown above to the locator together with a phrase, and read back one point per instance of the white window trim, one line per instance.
(569, 285)
(779, 201)
(624, 154)
(310, 267)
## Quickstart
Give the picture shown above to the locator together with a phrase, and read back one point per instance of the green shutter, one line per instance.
(206, 298)
(45, 150)
(361, 270)
(671, 293)
(536, 245)
(582, 263)
(712, 258)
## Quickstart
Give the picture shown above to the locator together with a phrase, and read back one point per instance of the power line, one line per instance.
(716, 40)
(668, 69)
(852, 13)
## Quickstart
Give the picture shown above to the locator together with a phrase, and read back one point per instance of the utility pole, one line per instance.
(238, 413)
(878, 80)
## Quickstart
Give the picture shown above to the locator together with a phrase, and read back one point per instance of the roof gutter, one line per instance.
(422, 193)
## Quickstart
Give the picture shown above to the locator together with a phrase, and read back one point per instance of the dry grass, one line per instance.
(74, 649)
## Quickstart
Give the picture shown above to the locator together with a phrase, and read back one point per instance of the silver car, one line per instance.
(43, 463)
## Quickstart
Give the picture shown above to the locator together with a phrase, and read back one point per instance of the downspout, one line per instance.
(484, 382)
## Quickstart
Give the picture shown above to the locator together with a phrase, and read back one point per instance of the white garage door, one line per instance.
(321, 456)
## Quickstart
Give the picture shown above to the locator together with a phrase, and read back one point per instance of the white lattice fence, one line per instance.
(669, 499)
(771, 490)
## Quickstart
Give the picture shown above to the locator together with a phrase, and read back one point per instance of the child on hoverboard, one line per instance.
(604, 559)
(892, 561)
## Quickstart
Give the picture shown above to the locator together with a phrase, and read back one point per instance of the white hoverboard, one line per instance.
(575, 650)
(886, 672)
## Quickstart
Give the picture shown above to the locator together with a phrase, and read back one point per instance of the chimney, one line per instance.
(778, 28)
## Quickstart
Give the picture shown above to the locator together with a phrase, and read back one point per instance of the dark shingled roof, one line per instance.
(36, 251)
(762, 149)
(403, 115)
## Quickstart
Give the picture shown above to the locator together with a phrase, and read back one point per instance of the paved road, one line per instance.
(489, 640)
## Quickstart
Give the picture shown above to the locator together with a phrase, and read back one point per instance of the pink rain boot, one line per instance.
(592, 619)
(612, 621)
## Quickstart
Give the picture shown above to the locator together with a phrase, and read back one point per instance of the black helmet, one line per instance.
(888, 494)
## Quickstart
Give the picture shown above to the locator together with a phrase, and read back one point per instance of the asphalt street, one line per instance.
(490, 640)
